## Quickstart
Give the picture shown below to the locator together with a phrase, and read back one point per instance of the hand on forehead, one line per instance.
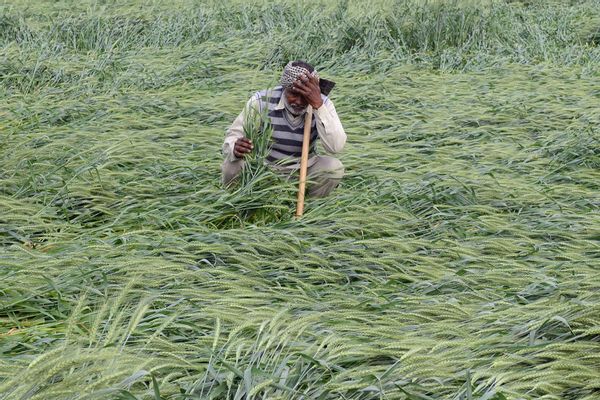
(293, 73)
(303, 80)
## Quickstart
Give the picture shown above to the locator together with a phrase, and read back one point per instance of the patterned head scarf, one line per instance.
(291, 73)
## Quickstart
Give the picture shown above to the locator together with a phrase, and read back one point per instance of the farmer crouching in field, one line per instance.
(286, 106)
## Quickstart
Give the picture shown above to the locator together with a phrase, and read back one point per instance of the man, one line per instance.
(286, 107)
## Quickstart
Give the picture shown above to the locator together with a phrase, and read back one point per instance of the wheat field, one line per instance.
(458, 259)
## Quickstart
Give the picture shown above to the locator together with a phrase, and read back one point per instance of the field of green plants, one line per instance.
(459, 258)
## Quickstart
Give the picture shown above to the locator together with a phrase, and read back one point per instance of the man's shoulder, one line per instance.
(268, 93)
(268, 96)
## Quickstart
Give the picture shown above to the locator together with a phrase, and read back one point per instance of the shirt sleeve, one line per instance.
(330, 129)
(236, 130)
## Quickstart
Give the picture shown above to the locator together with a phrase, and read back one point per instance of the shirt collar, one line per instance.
(281, 104)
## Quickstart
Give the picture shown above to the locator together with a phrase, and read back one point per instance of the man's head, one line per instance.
(295, 103)
(293, 70)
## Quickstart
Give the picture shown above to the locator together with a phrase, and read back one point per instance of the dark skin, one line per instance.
(304, 91)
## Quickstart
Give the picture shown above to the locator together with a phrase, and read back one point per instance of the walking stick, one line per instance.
(304, 162)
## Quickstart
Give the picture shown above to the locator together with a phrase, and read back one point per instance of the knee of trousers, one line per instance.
(330, 167)
(230, 170)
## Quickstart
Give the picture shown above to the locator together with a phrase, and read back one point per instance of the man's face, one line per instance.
(296, 101)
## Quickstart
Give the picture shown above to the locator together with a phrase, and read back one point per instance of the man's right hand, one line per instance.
(242, 147)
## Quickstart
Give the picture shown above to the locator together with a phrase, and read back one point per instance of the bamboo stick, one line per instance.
(304, 162)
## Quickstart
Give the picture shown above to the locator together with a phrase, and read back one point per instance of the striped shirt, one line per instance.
(287, 140)
(286, 146)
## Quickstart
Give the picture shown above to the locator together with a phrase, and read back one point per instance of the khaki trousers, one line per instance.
(324, 174)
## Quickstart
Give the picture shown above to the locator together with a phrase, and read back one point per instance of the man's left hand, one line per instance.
(308, 87)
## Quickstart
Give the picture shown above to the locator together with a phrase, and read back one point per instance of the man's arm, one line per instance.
(236, 132)
(330, 127)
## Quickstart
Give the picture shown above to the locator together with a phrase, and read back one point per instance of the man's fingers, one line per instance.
(240, 152)
(302, 92)
(301, 88)
(306, 86)
(300, 85)
(310, 80)
(244, 148)
(244, 142)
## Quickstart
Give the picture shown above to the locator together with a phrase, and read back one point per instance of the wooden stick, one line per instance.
(304, 162)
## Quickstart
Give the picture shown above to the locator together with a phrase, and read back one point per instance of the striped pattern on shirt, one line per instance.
(286, 148)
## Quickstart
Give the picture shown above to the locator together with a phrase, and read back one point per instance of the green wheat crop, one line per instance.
(458, 259)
